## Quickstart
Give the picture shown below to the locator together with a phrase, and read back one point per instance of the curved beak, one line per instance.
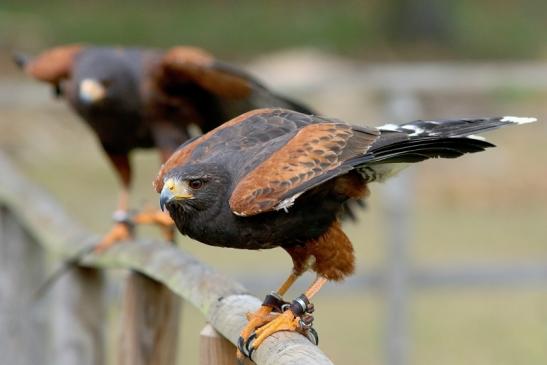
(165, 197)
(91, 91)
(173, 190)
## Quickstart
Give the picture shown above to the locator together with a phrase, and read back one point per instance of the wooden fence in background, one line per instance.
(67, 326)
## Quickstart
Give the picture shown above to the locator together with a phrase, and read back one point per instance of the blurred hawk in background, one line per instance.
(142, 98)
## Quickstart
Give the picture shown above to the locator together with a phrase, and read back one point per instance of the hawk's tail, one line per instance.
(416, 141)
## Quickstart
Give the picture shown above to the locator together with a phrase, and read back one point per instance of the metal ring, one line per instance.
(120, 216)
(302, 304)
(285, 307)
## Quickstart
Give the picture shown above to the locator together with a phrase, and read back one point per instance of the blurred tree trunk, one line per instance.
(419, 20)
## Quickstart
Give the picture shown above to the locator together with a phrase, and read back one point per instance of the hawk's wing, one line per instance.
(190, 64)
(54, 64)
(316, 153)
(183, 65)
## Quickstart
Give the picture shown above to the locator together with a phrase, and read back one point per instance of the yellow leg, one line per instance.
(162, 219)
(287, 321)
(315, 287)
(121, 230)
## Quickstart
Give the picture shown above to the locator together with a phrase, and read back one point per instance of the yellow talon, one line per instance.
(284, 322)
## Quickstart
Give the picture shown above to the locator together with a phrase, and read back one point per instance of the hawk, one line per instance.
(279, 178)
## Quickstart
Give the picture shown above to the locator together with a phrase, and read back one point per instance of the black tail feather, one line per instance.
(419, 150)
(420, 140)
(416, 150)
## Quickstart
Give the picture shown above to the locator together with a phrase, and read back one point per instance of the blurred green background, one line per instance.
(374, 29)
(489, 208)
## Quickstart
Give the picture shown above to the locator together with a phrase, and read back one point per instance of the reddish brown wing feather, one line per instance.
(315, 150)
(54, 64)
(181, 156)
(199, 66)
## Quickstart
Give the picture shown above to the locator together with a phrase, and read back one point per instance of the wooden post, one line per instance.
(150, 323)
(72, 334)
(23, 324)
(214, 349)
(402, 106)
(79, 315)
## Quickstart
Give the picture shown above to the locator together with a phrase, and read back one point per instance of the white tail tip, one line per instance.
(518, 120)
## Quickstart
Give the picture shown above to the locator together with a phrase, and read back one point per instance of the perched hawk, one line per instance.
(142, 98)
(279, 178)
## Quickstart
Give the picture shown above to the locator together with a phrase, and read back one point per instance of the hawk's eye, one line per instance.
(195, 184)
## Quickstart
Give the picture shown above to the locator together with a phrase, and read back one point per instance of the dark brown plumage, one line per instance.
(275, 177)
(141, 98)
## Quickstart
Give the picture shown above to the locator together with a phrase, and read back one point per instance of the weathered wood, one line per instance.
(214, 349)
(222, 301)
(228, 317)
(72, 334)
(24, 331)
(79, 318)
(150, 324)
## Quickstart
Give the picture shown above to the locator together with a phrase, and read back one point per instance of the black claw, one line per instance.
(251, 351)
(241, 345)
(313, 333)
(248, 345)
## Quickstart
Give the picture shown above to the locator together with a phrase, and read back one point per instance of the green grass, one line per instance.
(238, 29)
(229, 28)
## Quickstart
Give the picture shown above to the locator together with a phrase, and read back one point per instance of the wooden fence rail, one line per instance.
(28, 214)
